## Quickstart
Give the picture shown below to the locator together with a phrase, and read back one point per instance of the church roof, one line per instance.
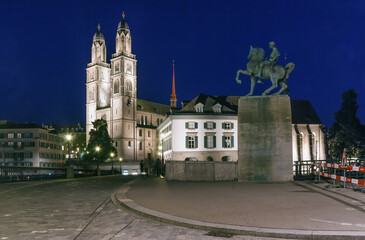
(229, 104)
(303, 112)
(98, 37)
(152, 107)
(123, 25)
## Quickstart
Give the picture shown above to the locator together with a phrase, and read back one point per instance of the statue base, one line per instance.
(265, 139)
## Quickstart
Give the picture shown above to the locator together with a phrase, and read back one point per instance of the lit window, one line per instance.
(227, 141)
(191, 125)
(209, 125)
(209, 141)
(191, 141)
(227, 125)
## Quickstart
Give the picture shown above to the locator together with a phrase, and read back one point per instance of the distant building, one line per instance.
(111, 94)
(206, 129)
(29, 144)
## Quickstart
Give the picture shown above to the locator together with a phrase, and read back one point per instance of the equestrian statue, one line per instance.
(258, 67)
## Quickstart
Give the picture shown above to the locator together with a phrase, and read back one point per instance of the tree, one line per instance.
(347, 132)
(100, 144)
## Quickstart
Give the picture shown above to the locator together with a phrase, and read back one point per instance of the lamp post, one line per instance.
(120, 165)
(3, 143)
(97, 149)
(112, 156)
(68, 137)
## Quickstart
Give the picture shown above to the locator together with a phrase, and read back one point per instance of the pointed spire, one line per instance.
(99, 27)
(123, 15)
(173, 99)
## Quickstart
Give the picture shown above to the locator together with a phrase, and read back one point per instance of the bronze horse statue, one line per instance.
(277, 74)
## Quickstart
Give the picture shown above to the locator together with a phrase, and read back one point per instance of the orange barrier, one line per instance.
(342, 178)
(342, 167)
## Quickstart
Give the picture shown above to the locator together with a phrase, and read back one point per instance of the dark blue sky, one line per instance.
(46, 45)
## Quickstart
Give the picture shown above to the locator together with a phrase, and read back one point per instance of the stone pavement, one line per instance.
(292, 209)
(80, 209)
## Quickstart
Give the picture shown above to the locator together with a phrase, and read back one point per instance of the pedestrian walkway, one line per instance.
(292, 209)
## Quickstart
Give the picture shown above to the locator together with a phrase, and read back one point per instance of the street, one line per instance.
(79, 209)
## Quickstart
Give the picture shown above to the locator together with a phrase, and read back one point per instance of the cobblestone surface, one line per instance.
(79, 209)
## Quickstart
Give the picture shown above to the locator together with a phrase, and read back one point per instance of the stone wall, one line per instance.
(265, 139)
(201, 171)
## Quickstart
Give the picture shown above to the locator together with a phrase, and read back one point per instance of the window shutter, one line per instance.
(231, 125)
(196, 141)
(186, 125)
(205, 141)
(214, 125)
(232, 141)
(205, 125)
(214, 142)
(223, 142)
(187, 142)
(222, 125)
(196, 125)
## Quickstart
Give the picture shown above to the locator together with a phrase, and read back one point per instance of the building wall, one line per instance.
(35, 147)
(307, 149)
(175, 129)
(201, 171)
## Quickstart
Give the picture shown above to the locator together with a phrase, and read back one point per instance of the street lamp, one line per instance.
(112, 156)
(97, 149)
(68, 137)
(120, 165)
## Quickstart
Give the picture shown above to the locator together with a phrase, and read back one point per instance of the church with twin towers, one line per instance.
(111, 94)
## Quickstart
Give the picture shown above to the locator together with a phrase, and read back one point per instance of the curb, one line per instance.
(120, 196)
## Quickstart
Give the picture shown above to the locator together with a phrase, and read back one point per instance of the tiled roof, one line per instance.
(152, 107)
(303, 112)
(229, 104)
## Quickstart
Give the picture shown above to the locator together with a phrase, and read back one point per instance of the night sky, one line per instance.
(46, 45)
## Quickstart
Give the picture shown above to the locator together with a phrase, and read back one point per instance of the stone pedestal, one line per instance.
(265, 139)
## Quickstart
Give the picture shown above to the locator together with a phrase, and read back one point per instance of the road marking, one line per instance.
(338, 223)
(4, 238)
(56, 229)
(39, 232)
(7, 215)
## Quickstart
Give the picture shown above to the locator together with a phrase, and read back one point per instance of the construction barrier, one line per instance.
(340, 167)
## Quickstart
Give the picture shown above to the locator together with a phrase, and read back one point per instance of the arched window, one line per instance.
(116, 86)
(128, 86)
(227, 159)
(300, 145)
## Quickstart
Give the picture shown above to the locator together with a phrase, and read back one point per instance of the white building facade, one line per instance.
(203, 130)
(206, 130)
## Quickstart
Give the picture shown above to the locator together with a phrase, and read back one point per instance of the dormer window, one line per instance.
(199, 107)
(217, 108)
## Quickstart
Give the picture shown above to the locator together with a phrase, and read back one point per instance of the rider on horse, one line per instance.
(274, 57)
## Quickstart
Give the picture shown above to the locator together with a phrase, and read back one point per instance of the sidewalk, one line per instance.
(290, 209)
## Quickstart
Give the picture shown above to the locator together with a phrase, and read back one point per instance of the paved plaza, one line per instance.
(291, 209)
(81, 209)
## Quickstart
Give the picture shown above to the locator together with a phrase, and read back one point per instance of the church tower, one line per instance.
(97, 82)
(173, 99)
(124, 93)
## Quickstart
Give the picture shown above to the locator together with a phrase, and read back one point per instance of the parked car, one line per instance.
(134, 172)
(125, 172)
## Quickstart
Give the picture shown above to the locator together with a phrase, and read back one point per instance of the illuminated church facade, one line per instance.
(111, 94)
